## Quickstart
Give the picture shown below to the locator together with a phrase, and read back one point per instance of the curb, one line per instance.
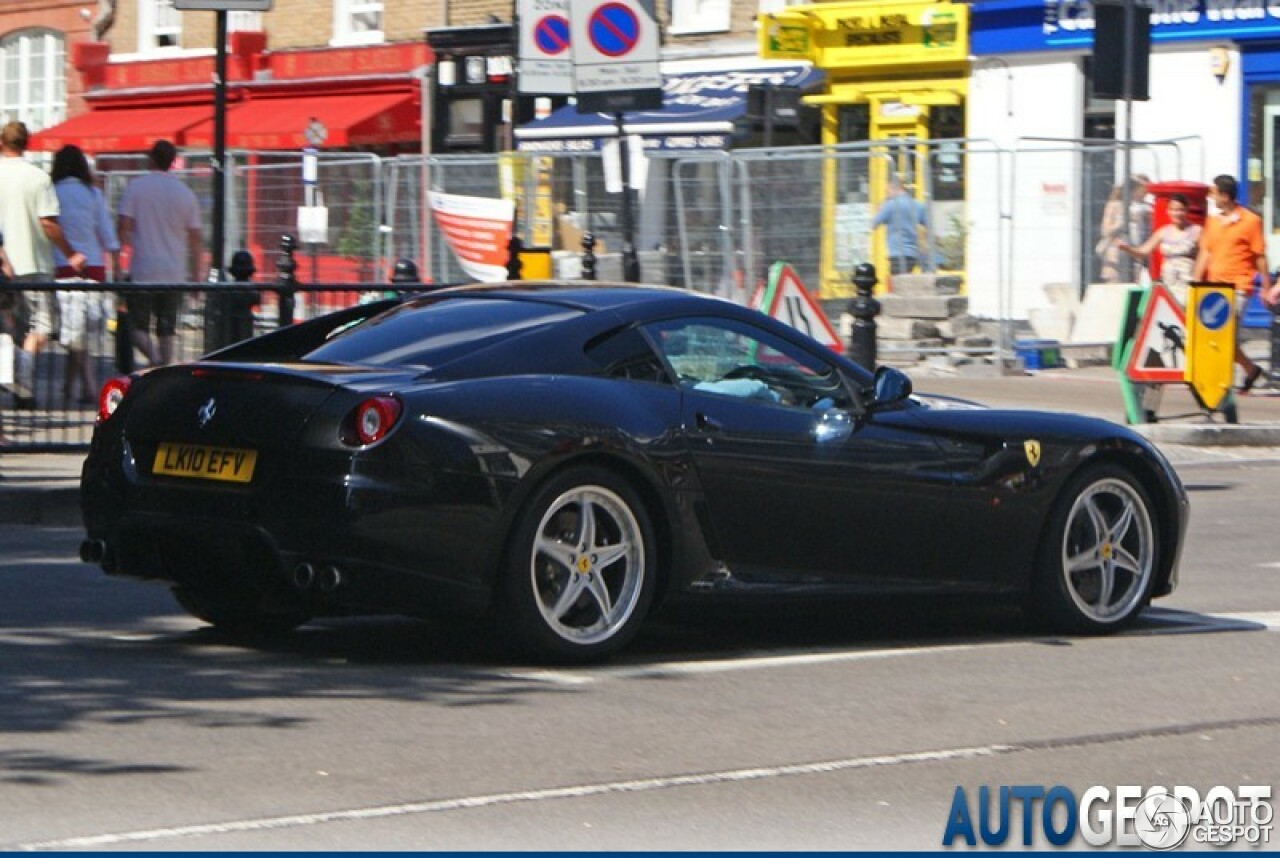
(1211, 434)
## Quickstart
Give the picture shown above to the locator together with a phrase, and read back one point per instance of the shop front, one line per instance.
(354, 105)
(896, 77)
(1214, 99)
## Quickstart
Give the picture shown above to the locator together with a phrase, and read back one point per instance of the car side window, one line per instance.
(627, 354)
(730, 358)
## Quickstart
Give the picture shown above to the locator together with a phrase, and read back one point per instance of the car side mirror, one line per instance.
(832, 425)
(891, 386)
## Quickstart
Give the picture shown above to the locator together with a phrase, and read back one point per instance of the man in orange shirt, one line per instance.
(1232, 250)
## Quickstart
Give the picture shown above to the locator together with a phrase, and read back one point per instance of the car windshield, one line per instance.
(431, 333)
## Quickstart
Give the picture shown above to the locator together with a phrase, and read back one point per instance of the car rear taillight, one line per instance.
(112, 393)
(373, 419)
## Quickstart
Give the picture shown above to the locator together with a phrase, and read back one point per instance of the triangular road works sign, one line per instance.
(786, 299)
(1159, 352)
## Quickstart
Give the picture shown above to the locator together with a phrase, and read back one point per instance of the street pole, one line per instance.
(1127, 154)
(219, 150)
(630, 261)
(425, 79)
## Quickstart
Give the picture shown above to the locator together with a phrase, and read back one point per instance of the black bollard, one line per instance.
(514, 266)
(1274, 373)
(405, 272)
(286, 279)
(588, 256)
(238, 319)
(864, 309)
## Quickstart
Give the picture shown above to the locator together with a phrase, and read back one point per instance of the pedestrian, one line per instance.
(87, 225)
(1112, 229)
(1112, 233)
(902, 216)
(160, 222)
(1179, 243)
(29, 215)
(1233, 250)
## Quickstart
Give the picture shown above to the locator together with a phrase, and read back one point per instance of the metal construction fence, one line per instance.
(1006, 221)
(49, 395)
(1018, 215)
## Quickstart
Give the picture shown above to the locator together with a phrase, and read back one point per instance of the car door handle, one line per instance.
(706, 423)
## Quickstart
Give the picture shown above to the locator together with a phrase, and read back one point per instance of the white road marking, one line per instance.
(640, 785)
(1272, 565)
(306, 820)
(662, 669)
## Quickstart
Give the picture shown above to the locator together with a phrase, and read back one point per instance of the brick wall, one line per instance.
(290, 24)
(62, 16)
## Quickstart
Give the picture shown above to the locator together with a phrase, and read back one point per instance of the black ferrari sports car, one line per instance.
(563, 457)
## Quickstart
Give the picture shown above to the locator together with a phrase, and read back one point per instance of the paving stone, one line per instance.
(922, 307)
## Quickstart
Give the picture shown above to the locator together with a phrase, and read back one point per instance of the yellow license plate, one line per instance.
(205, 463)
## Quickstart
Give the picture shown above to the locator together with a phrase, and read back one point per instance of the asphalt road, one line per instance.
(126, 725)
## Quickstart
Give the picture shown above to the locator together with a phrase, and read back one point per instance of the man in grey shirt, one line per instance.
(902, 215)
(160, 221)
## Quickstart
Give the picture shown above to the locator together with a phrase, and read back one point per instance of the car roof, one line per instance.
(596, 296)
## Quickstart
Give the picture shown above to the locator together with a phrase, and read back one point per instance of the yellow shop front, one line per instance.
(896, 75)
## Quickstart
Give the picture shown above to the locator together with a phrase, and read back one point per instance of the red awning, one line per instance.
(129, 129)
(351, 120)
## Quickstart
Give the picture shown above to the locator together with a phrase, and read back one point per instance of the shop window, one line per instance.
(466, 122)
(947, 167)
(32, 78)
(357, 22)
(159, 26)
(699, 16)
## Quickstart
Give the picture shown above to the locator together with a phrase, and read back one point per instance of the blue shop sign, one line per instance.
(1013, 26)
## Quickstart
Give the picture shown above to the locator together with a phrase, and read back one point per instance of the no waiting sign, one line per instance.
(615, 49)
(546, 64)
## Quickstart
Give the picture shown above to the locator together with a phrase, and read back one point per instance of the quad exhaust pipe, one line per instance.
(304, 575)
(325, 578)
(93, 550)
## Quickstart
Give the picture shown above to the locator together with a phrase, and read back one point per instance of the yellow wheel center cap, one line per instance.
(1107, 551)
(584, 564)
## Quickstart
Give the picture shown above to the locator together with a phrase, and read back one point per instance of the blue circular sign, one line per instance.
(613, 29)
(551, 34)
(1215, 310)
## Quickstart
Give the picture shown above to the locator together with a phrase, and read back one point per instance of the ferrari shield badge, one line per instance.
(1032, 449)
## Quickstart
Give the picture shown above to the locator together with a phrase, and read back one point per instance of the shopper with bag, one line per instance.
(87, 225)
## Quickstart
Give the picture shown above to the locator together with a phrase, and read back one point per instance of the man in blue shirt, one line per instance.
(902, 215)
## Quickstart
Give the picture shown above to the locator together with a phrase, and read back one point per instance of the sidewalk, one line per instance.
(43, 488)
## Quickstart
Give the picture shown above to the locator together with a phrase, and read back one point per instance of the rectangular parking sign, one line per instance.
(615, 45)
(546, 61)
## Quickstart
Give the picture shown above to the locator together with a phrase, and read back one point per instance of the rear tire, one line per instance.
(579, 574)
(241, 615)
(1098, 561)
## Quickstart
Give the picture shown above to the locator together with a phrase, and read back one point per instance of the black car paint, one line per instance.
(915, 498)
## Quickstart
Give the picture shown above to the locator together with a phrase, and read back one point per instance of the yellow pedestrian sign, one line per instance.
(1211, 341)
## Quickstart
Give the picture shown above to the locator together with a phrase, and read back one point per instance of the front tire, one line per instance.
(1098, 561)
(580, 567)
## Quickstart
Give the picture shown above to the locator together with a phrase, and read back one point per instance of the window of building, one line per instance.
(699, 16)
(159, 26)
(357, 22)
(33, 83)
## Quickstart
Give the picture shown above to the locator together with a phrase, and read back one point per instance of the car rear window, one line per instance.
(434, 332)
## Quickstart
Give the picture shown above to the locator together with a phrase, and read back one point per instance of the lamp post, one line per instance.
(221, 7)
(423, 74)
